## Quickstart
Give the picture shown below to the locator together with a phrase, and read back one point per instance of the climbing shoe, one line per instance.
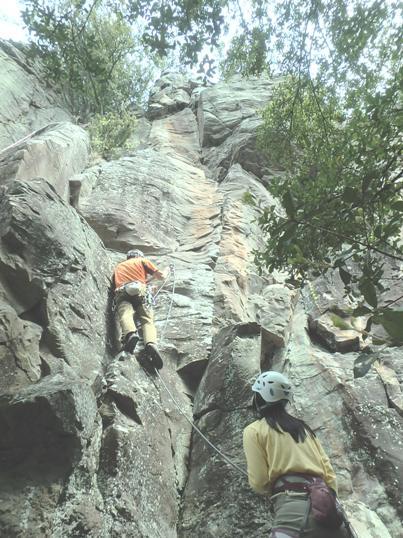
(154, 356)
(130, 342)
(146, 364)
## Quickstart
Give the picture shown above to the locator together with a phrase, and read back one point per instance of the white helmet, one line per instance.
(272, 387)
(136, 253)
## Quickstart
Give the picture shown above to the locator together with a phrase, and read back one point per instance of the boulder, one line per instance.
(177, 134)
(274, 311)
(137, 471)
(131, 203)
(365, 522)
(19, 350)
(238, 148)
(236, 280)
(184, 328)
(352, 419)
(217, 497)
(334, 333)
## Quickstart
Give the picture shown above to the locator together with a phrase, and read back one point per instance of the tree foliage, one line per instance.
(247, 55)
(340, 188)
(110, 133)
(91, 53)
(333, 129)
(187, 25)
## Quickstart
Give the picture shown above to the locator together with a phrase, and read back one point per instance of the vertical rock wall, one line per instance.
(93, 446)
(27, 103)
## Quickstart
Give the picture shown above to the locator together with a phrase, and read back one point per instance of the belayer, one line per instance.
(286, 461)
(130, 282)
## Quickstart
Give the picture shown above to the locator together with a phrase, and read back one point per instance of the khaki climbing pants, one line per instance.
(130, 309)
(290, 513)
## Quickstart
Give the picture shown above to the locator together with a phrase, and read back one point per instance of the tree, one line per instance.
(333, 129)
(190, 26)
(90, 52)
(340, 188)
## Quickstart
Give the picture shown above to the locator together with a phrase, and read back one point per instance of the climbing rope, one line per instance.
(172, 270)
(216, 449)
(174, 400)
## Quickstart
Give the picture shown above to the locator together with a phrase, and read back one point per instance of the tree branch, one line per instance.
(350, 239)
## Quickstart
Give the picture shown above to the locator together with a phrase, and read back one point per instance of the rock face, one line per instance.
(56, 153)
(26, 103)
(93, 446)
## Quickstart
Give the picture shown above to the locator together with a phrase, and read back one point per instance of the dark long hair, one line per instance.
(277, 417)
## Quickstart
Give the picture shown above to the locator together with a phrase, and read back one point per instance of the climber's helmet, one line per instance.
(134, 254)
(272, 387)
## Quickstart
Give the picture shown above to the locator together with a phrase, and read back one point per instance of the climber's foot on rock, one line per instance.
(146, 364)
(154, 356)
(130, 342)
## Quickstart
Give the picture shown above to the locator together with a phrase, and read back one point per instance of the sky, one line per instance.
(11, 25)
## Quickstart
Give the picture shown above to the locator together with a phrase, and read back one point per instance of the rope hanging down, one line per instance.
(172, 270)
(221, 454)
(177, 405)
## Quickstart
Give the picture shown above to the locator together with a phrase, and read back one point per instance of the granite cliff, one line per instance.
(92, 446)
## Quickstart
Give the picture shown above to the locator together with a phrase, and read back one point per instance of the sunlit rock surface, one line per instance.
(93, 446)
(27, 103)
(55, 153)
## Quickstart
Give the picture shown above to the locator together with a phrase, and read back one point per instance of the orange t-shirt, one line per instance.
(133, 270)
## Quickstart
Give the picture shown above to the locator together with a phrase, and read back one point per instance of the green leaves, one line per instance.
(288, 204)
(340, 187)
(111, 132)
(392, 321)
(368, 290)
(88, 50)
(248, 199)
(398, 206)
(351, 195)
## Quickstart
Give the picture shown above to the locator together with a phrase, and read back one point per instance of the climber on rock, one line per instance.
(130, 282)
(286, 460)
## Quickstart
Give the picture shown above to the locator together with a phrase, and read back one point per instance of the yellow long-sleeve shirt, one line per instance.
(270, 454)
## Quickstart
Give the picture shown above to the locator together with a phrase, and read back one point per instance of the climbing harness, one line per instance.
(134, 289)
(322, 503)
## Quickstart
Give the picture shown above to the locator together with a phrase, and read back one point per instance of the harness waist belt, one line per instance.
(293, 482)
(136, 282)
